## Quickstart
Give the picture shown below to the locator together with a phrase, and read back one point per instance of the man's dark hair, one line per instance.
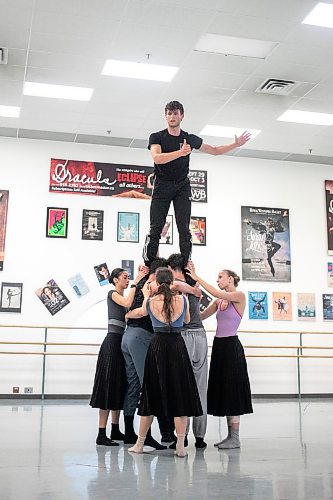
(173, 106)
(158, 262)
(176, 262)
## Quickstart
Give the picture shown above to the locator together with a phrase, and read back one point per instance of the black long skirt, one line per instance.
(229, 391)
(169, 388)
(110, 377)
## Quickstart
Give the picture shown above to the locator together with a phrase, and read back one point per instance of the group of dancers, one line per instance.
(154, 356)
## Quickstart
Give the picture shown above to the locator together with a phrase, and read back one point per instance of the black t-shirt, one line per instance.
(145, 321)
(175, 170)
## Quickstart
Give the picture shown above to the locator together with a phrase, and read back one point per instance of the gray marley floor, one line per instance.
(48, 452)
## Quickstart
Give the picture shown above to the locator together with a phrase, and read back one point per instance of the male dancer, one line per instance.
(171, 149)
(195, 338)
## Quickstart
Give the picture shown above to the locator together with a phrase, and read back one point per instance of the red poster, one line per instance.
(3, 220)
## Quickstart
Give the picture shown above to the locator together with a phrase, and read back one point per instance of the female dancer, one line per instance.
(229, 392)
(169, 388)
(110, 377)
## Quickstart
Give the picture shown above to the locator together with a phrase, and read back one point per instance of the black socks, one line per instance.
(102, 440)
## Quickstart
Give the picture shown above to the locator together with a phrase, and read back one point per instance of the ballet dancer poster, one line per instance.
(265, 244)
(282, 310)
(11, 297)
(128, 265)
(330, 274)
(258, 307)
(92, 224)
(128, 227)
(56, 222)
(329, 215)
(3, 220)
(198, 230)
(52, 297)
(306, 306)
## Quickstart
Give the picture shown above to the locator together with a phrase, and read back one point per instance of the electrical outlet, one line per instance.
(28, 390)
(16, 390)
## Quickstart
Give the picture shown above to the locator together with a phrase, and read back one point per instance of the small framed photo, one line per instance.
(128, 227)
(11, 297)
(102, 273)
(167, 232)
(56, 222)
(92, 224)
(198, 230)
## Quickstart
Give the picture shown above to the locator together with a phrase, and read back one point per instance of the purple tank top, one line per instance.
(227, 321)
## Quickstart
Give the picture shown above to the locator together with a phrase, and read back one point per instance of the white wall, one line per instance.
(33, 259)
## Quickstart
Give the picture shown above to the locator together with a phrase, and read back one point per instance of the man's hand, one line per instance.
(242, 139)
(185, 149)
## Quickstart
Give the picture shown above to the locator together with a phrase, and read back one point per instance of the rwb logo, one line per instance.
(198, 194)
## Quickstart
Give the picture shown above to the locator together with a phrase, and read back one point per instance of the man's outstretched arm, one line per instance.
(221, 150)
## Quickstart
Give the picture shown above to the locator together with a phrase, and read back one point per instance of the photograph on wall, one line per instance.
(198, 230)
(198, 182)
(100, 179)
(330, 274)
(306, 306)
(205, 300)
(265, 244)
(128, 265)
(329, 215)
(4, 195)
(328, 307)
(11, 297)
(102, 273)
(92, 224)
(258, 306)
(78, 284)
(56, 222)
(167, 231)
(52, 297)
(128, 227)
(281, 305)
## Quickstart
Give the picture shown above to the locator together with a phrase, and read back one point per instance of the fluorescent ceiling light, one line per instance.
(321, 15)
(217, 131)
(140, 71)
(57, 91)
(234, 46)
(10, 111)
(307, 117)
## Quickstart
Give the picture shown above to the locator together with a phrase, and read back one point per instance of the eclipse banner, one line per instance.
(112, 179)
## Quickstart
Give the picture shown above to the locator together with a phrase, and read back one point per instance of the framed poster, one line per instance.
(11, 297)
(265, 244)
(306, 306)
(128, 227)
(258, 306)
(78, 284)
(56, 222)
(282, 310)
(327, 306)
(198, 230)
(128, 265)
(4, 195)
(52, 297)
(102, 273)
(167, 231)
(92, 224)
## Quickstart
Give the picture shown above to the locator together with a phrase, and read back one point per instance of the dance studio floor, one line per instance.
(48, 452)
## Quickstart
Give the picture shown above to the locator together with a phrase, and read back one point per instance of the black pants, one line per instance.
(164, 193)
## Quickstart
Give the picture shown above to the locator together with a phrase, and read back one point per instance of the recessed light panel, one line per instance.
(307, 117)
(321, 15)
(57, 91)
(10, 111)
(141, 71)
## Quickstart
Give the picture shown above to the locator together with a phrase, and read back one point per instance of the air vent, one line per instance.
(3, 55)
(277, 87)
